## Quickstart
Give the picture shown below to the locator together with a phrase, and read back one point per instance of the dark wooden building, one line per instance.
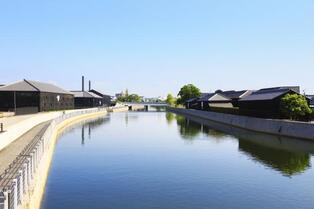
(191, 103)
(27, 96)
(311, 97)
(265, 103)
(235, 96)
(208, 100)
(85, 99)
(106, 99)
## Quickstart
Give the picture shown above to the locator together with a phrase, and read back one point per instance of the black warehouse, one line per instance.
(27, 96)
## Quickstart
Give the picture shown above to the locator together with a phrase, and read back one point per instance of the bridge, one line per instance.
(153, 104)
(144, 105)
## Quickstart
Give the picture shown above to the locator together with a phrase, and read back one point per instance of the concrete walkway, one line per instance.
(10, 121)
(9, 153)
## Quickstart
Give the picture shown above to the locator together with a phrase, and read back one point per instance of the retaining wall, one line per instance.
(23, 183)
(119, 109)
(15, 131)
(287, 128)
(137, 107)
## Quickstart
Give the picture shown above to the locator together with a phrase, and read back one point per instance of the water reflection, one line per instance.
(170, 117)
(191, 129)
(289, 156)
(288, 163)
(188, 128)
(91, 125)
(129, 117)
(157, 109)
(83, 135)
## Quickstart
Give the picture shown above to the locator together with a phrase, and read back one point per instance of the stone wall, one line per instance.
(287, 128)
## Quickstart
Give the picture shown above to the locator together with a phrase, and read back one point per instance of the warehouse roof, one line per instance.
(213, 97)
(192, 100)
(98, 93)
(236, 94)
(267, 94)
(85, 94)
(33, 86)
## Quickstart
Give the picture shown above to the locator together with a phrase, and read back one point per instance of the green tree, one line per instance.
(170, 99)
(188, 91)
(133, 98)
(130, 98)
(295, 107)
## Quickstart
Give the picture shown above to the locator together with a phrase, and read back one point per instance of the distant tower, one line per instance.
(126, 92)
(83, 82)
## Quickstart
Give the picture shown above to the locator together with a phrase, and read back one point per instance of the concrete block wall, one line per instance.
(304, 130)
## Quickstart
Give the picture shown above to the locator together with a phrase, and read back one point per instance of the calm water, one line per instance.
(158, 160)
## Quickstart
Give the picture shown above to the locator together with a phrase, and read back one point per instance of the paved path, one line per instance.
(9, 153)
(9, 121)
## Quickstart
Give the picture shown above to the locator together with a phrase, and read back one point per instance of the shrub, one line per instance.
(295, 107)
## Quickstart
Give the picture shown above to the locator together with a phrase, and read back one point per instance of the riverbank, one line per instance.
(39, 188)
(285, 128)
(23, 181)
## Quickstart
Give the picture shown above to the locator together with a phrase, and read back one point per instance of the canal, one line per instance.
(159, 160)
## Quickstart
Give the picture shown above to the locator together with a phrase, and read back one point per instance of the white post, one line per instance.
(21, 186)
(25, 178)
(29, 170)
(6, 200)
(15, 193)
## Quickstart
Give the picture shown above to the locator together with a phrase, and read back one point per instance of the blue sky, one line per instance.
(155, 47)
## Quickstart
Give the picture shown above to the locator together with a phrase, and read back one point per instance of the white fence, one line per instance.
(18, 179)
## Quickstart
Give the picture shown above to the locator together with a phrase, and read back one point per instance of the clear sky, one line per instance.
(153, 47)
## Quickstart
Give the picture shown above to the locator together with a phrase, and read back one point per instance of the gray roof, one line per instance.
(191, 100)
(85, 94)
(267, 94)
(98, 93)
(34, 86)
(293, 88)
(311, 97)
(235, 94)
(210, 97)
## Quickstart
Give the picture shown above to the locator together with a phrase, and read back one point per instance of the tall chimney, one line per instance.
(83, 81)
(89, 85)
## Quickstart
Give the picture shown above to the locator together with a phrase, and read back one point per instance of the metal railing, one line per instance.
(17, 180)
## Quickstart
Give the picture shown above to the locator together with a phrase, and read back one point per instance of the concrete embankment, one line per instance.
(22, 184)
(17, 126)
(119, 109)
(39, 188)
(286, 128)
(137, 107)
